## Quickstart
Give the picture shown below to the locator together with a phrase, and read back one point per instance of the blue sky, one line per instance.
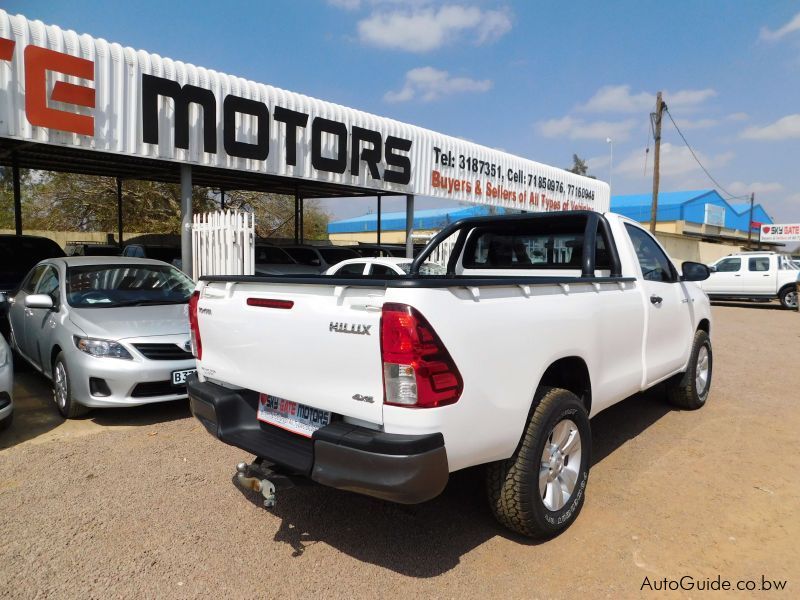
(538, 79)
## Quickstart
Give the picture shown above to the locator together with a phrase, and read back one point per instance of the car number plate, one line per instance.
(179, 377)
(292, 416)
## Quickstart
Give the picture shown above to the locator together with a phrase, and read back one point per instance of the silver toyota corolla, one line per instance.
(108, 331)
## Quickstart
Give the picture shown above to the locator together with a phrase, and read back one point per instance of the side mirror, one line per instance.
(712, 269)
(694, 271)
(39, 301)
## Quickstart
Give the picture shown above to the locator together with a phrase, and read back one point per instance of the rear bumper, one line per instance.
(401, 468)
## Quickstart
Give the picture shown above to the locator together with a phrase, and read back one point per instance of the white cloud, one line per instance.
(687, 124)
(675, 160)
(740, 188)
(578, 129)
(429, 84)
(738, 116)
(345, 4)
(785, 128)
(773, 35)
(620, 99)
(425, 29)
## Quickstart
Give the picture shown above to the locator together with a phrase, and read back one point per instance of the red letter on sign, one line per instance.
(37, 62)
(6, 49)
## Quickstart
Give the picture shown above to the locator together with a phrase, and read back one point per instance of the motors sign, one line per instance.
(788, 232)
(73, 90)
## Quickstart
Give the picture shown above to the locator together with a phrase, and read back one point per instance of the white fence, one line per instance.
(440, 254)
(223, 243)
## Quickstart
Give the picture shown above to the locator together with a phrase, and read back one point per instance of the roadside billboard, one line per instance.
(62, 88)
(786, 232)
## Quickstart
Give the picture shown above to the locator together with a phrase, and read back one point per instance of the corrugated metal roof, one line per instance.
(434, 218)
(689, 206)
(664, 198)
(230, 123)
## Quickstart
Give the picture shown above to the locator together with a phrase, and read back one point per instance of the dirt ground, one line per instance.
(141, 502)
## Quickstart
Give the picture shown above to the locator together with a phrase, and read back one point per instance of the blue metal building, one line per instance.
(703, 207)
(424, 220)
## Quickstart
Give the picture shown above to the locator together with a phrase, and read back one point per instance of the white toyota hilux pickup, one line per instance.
(753, 276)
(386, 385)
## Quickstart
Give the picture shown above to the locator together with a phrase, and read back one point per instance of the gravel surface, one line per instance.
(141, 503)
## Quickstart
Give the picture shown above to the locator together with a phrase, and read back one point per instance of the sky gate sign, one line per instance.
(73, 90)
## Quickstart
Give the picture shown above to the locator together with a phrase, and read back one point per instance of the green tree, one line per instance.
(73, 202)
(274, 214)
(579, 167)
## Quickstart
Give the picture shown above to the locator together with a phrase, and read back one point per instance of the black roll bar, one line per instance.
(463, 226)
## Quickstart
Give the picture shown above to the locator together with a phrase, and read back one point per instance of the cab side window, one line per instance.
(48, 284)
(381, 271)
(759, 263)
(656, 266)
(729, 265)
(33, 279)
(353, 269)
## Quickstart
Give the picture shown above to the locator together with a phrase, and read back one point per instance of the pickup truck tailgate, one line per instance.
(318, 345)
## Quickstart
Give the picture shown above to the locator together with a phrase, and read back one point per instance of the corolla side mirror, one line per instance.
(712, 269)
(694, 271)
(39, 301)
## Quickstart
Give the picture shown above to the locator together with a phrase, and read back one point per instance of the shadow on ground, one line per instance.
(428, 539)
(36, 415)
(755, 305)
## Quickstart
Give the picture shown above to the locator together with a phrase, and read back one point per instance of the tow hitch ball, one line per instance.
(264, 486)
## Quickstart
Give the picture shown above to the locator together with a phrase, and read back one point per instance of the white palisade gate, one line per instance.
(223, 243)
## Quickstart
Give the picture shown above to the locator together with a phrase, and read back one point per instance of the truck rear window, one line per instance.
(549, 244)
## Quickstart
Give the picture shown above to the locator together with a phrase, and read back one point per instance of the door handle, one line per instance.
(656, 300)
(737, 275)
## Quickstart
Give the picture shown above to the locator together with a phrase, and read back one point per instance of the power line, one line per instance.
(683, 137)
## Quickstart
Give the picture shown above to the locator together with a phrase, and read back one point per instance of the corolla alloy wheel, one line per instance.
(60, 386)
(560, 465)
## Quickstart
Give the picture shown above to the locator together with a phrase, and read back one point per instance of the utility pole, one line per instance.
(655, 118)
(750, 224)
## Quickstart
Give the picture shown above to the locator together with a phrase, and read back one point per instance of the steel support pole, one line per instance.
(302, 222)
(409, 225)
(296, 217)
(379, 219)
(119, 211)
(186, 219)
(17, 197)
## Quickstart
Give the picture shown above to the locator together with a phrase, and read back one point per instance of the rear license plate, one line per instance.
(179, 377)
(292, 416)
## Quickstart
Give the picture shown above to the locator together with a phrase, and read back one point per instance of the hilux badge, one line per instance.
(355, 328)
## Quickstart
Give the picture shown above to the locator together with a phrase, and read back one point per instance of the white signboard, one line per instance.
(787, 232)
(58, 87)
(714, 215)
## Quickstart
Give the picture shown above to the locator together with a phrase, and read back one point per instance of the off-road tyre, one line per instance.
(789, 297)
(513, 484)
(683, 390)
(67, 406)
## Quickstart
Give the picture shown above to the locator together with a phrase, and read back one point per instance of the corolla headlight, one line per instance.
(102, 348)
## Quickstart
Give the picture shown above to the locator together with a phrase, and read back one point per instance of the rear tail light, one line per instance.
(418, 370)
(194, 328)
